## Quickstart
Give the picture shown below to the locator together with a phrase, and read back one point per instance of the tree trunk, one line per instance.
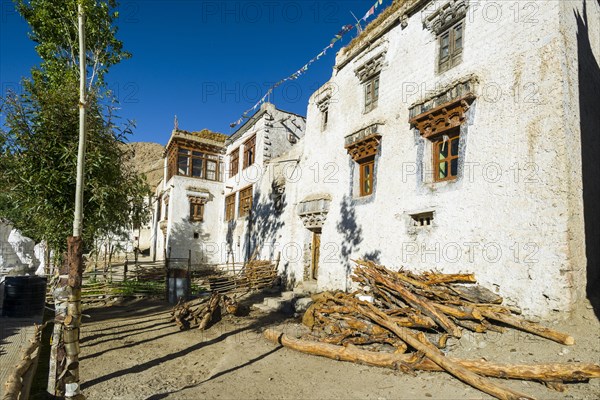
(535, 372)
(72, 321)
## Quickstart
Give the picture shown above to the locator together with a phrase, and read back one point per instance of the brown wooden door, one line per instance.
(316, 253)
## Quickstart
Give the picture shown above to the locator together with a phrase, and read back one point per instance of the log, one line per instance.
(435, 355)
(559, 372)
(530, 327)
(209, 313)
(433, 278)
(464, 312)
(14, 382)
(421, 305)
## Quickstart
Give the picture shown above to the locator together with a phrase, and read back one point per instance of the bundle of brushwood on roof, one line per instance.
(402, 320)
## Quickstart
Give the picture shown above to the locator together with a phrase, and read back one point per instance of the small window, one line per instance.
(446, 155)
(422, 219)
(166, 208)
(450, 47)
(230, 207)
(234, 162)
(367, 167)
(249, 151)
(245, 201)
(324, 119)
(196, 209)
(371, 93)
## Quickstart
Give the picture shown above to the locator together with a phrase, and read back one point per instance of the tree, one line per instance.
(38, 144)
(38, 148)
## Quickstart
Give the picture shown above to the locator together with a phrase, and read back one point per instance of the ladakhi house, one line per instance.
(453, 135)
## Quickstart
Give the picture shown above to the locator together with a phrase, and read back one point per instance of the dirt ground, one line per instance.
(131, 351)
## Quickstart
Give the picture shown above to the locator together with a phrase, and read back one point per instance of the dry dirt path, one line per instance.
(132, 352)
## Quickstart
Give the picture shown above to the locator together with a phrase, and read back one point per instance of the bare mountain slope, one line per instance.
(147, 159)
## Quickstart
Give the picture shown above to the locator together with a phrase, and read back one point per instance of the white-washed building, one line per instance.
(250, 207)
(190, 197)
(454, 135)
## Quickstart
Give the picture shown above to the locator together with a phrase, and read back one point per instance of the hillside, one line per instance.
(147, 159)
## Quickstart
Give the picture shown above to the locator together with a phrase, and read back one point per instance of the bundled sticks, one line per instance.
(402, 320)
(197, 313)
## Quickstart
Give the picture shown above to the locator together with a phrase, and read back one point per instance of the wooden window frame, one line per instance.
(455, 47)
(366, 181)
(196, 209)
(234, 162)
(249, 151)
(324, 119)
(166, 203)
(245, 196)
(437, 141)
(371, 88)
(190, 154)
(230, 207)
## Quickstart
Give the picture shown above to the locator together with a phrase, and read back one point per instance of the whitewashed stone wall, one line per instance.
(276, 132)
(19, 254)
(514, 216)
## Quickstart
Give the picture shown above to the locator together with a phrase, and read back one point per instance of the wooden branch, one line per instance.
(421, 305)
(459, 312)
(14, 383)
(530, 327)
(558, 372)
(435, 355)
(433, 278)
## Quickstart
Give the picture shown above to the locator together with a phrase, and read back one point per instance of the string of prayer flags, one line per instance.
(343, 31)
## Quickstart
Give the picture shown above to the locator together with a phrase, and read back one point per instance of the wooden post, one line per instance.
(72, 321)
(188, 289)
(166, 256)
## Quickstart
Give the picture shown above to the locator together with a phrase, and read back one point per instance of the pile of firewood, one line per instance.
(198, 313)
(204, 312)
(402, 320)
(260, 273)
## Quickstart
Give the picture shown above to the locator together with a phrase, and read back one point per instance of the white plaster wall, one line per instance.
(180, 230)
(17, 252)
(239, 238)
(507, 218)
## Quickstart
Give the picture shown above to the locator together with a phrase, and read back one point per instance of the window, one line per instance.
(450, 47)
(230, 207)
(371, 93)
(363, 146)
(367, 166)
(245, 201)
(196, 209)
(445, 155)
(198, 165)
(249, 151)
(234, 162)
(325, 118)
(166, 208)
(422, 219)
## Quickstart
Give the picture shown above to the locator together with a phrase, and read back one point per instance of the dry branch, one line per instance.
(398, 310)
(557, 372)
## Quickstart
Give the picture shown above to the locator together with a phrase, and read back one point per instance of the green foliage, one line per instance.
(54, 27)
(38, 143)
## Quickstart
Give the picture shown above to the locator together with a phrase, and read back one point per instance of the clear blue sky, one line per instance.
(205, 61)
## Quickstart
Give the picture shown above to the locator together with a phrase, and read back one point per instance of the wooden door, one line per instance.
(316, 253)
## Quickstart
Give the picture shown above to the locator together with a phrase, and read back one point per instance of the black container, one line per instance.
(24, 296)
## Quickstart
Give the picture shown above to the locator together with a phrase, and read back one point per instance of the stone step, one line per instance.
(289, 295)
(306, 287)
